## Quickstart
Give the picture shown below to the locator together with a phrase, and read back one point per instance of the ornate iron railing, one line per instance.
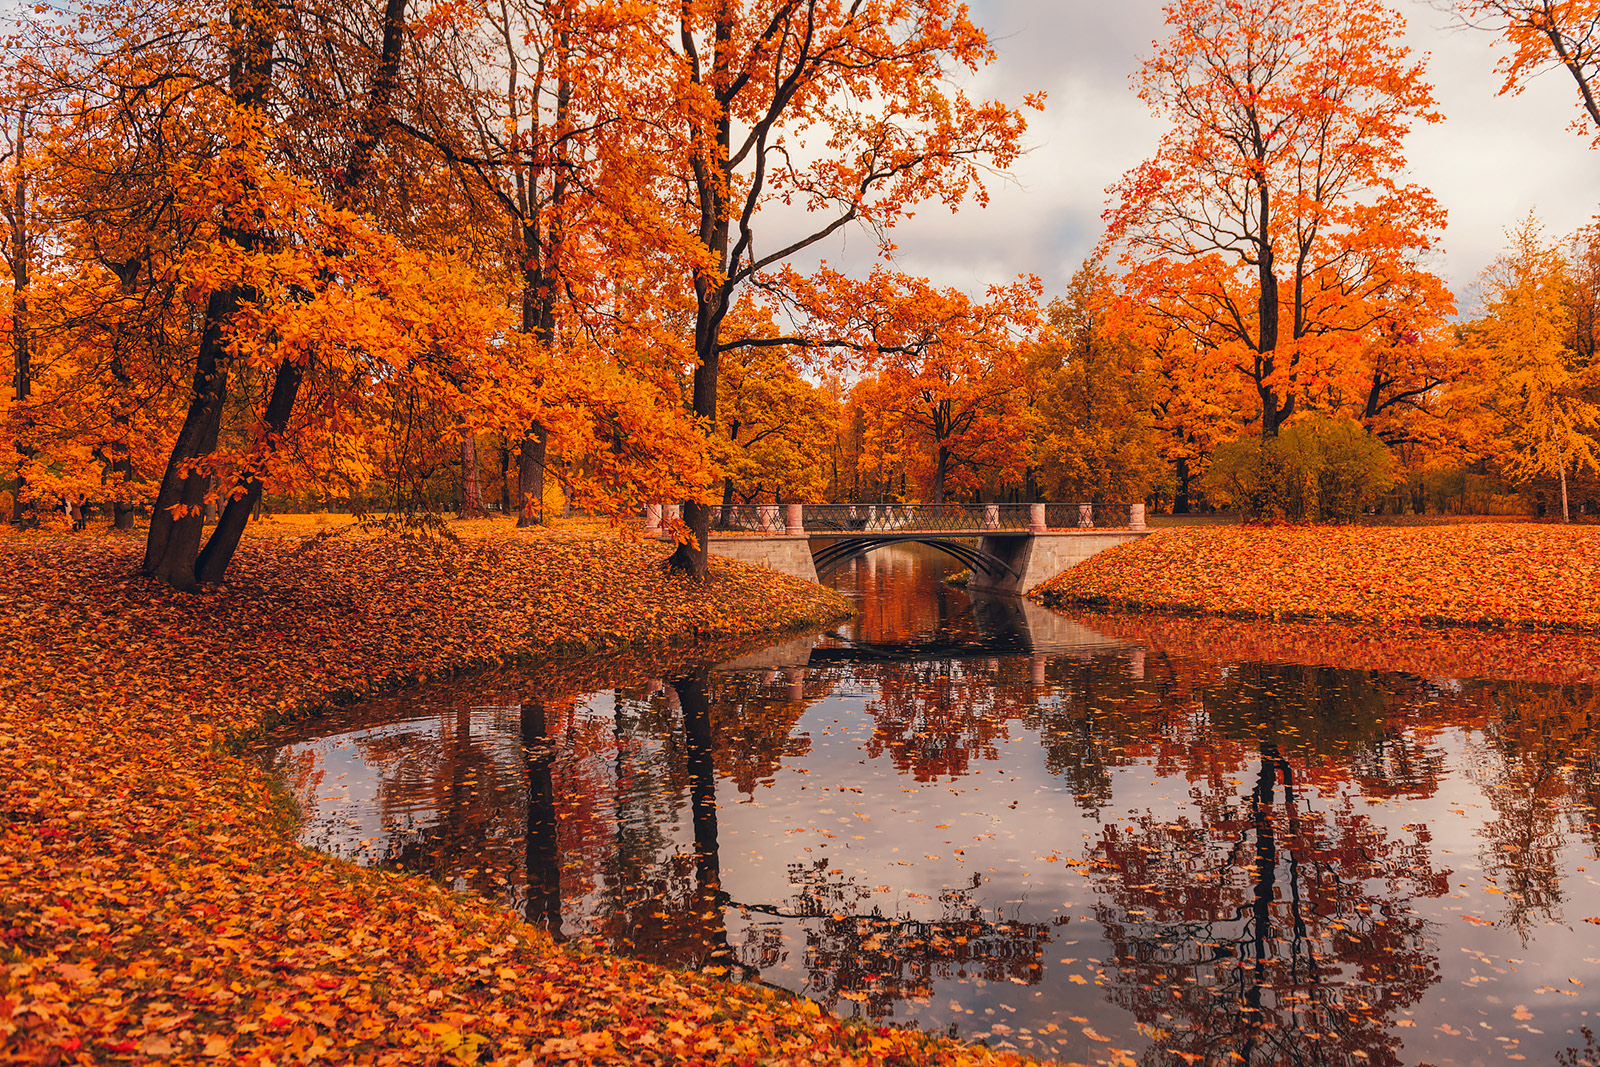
(749, 518)
(891, 518)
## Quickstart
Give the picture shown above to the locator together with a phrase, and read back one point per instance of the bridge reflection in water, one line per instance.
(1021, 832)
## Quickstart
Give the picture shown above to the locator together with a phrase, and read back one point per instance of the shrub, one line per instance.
(1318, 469)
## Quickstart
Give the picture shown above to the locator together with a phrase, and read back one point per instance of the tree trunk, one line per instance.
(1566, 515)
(22, 375)
(1180, 499)
(530, 477)
(726, 521)
(939, 475)
(177, 519)
(224, 541)
(471, 493)
(505, 476)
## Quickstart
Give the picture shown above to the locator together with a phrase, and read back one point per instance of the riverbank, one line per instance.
(1521, 576)
(153, 903)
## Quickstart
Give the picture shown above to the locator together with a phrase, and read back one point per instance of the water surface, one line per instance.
(991, 821)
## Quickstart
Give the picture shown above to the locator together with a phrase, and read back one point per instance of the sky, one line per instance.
(1492, 160)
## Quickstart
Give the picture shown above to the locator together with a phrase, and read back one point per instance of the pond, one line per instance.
(1061, 835)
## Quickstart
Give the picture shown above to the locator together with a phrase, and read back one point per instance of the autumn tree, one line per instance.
(871, 82)
(542, 117)
(1095, 436)
(949, 385)
(17, 237)
(1551, 425)
(1542, 34)
(1272, 224)
(778, 426)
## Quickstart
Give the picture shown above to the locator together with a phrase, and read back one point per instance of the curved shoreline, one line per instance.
(153, 902)
(1522, 577)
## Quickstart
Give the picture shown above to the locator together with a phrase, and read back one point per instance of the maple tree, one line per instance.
(870, 81)
(1272, 225)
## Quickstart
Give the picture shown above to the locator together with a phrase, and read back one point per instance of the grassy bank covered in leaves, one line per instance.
(1522, 576)
(153, 903)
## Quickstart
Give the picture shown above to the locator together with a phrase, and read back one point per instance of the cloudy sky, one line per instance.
(1489, 162)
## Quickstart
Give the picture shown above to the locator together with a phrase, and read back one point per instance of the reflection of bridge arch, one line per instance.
(832, 556)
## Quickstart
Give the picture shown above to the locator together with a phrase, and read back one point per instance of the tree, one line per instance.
(1550, 423)
(1095, 437)
(16, 248)
(1542, 33)
(1271, 225)
(778, 425)
(869, 81)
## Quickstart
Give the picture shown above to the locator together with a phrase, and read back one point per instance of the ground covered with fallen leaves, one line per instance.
(1525, 576)
(153, 904)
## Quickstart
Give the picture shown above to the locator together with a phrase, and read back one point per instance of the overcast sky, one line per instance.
(1488, 163)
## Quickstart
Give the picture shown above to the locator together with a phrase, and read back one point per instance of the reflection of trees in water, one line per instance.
(877, 961)
(1246, 915)
(936, 717)
(1266, 932)
(1537, 767)
(1201, 721)
(467, 789)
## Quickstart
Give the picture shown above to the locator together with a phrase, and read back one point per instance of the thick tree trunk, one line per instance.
(1180, 499)
(224, 541)
(530, 476)
(177, 519)
(1566, 514)
(939, 472)
(694, 559)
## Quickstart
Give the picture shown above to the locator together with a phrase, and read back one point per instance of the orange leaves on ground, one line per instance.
(153, 904)
(1513, 575)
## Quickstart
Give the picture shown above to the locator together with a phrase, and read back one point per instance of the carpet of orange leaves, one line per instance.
(1523, 576)
(153, 904)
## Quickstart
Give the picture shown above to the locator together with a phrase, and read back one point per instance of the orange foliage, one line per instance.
(1271, 227)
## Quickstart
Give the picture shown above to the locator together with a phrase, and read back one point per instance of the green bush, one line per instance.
(1318, 469)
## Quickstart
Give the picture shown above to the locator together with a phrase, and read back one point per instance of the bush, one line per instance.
(1318, 469)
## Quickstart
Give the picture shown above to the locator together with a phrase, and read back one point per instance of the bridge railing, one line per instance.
(887, 518)
(750, 518)
(933, 518)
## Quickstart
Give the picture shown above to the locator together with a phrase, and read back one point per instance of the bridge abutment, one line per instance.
(785, 553)
(1038, 557)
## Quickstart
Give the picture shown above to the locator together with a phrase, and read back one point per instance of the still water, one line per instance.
(989, 820)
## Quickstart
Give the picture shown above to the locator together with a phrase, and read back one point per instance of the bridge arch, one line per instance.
(832, 556)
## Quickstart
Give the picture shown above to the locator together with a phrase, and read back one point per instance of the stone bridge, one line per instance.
(1009, 548)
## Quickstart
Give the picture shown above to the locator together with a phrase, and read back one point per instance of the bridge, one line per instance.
(1009, 548)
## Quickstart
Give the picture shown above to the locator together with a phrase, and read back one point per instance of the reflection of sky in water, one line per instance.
(836, 830)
